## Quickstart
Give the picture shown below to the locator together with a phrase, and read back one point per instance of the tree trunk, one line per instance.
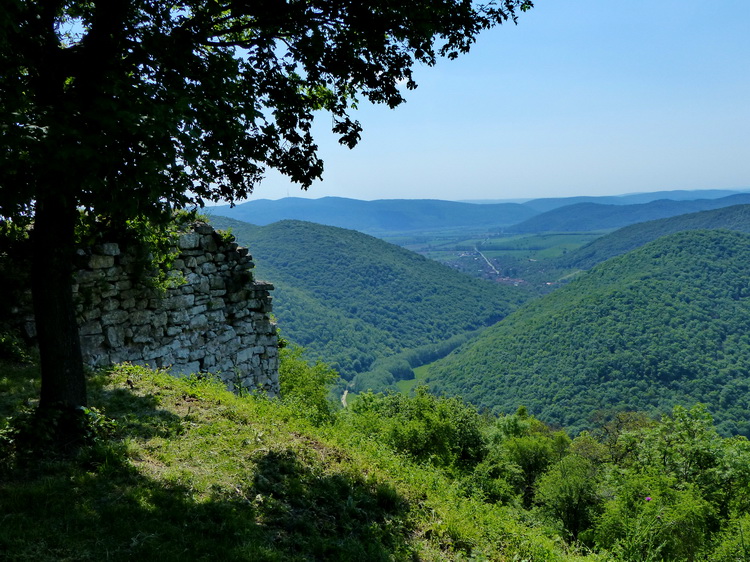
(63, 381)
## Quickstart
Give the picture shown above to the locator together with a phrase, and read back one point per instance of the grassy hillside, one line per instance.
(377, 217)
(594, 216)
(631, 237)
(180, 469)
(187, 471)
(350, 299)
(666, 324)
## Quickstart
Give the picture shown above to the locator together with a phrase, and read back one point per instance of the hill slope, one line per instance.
(386, 215)
(634, 236)
(594, 216)
(189, 471)
(350, 298)
(666, 324)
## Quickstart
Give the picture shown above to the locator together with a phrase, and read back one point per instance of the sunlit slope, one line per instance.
(350, 298)
(666, 324)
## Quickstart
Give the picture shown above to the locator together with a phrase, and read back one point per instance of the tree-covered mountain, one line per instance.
(350, 298)
(634, 236)
(375, 217)
(666, 324)
(595, 216)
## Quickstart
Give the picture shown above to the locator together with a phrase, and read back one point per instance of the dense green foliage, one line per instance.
(180, 468)
(666, 324)
(349, 298)
(384, 373)
(194, 472)
(736, 217)
(304, 386)
(595, 216)
(380, 216)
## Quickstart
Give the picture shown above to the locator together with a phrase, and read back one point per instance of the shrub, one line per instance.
(306, 385)
(443, 431)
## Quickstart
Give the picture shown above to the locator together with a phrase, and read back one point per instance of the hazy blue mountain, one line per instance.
(547, 204)
(373, 217)
(666, 324)
(595, 216)
(631, 237)
(350, 298)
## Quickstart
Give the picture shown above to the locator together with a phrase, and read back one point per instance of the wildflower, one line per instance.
(648, 498)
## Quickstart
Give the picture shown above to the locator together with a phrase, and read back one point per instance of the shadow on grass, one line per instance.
(286, 507)
(19, 385)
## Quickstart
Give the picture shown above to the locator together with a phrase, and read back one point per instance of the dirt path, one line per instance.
(488, 261)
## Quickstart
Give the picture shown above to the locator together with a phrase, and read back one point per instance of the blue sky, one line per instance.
(582, 97)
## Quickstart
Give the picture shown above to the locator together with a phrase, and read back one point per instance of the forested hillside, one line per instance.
(595, 216)
(631, 237)
(350, 299)
(666, 324)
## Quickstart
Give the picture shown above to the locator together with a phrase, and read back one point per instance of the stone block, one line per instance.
(178, 317)
(244, 355)
(178, 302)
(97, 261)
(114, 317)
(159, 319)
(199, 309)
(216, 317)
(186, 368)
(91, 343)
(217, 283)
(115, 336)
(110, 304)
(196, 354)
(90, 328)
(208, 268)
(110, 249)
(199, 321)
(208, 243)
(140, 317)
(188, 241)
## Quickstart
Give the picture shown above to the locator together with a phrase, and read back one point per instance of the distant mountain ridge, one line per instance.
(666, 324)
(372, 217)
(547, 204)
(551, 214)
(594, 216)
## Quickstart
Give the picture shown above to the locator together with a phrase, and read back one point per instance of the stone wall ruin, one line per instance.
(217, 321)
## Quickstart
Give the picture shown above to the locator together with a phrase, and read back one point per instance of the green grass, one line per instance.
(420, 374)
(196, 473)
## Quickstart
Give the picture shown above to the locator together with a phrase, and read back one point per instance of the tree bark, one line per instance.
(63, 380)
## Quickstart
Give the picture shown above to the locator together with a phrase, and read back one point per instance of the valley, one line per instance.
(594, 407)
(566, 328)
